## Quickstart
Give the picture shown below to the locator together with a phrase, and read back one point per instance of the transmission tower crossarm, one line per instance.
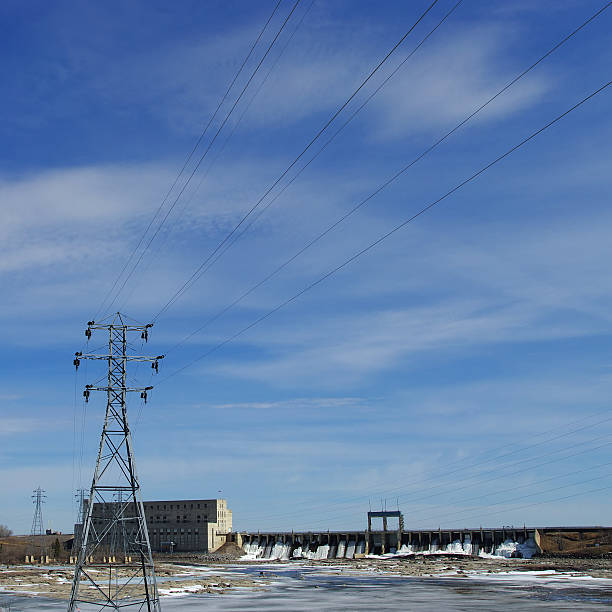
(113, 388)
(137, 358)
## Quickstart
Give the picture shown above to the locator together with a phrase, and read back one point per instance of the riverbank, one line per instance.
(55, 582)
(419, 564)
(464, 566)
(202, 575)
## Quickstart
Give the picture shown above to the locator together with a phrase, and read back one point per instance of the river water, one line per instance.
(298, 587)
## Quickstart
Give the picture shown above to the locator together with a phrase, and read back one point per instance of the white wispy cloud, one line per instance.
(64, 216)
(529, 289)
(307, 403)
(14, 425)
(9, 397)
(447, 79)
(453, 79)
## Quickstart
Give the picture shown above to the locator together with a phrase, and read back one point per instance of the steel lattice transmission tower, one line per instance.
(38, 531)
(123, 577)
(119, 535)
(80, 518)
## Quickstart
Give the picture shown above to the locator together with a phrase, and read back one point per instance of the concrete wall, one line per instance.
(192, 525)
(587, 541)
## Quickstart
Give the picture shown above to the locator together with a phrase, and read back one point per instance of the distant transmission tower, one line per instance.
(131, 580)
(80, 517)
(37, 532)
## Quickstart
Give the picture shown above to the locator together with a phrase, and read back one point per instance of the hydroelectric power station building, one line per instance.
(179, 525)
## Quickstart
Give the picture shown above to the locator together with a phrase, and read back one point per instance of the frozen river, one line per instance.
(299, 587)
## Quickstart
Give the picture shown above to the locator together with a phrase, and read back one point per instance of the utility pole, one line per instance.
(130, 581)
(37, 532)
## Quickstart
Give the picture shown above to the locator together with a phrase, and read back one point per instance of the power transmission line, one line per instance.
(384, 185)
(402, 492)
(516, 488)
(524, 460)
(496, 473)
(358, 501)
(507, 508)
(388, 234)
(404, 223)
(83, 422)
(193, 150)
(260, 212)
(194, 276)
(210, 144)
(156, 254)
(538, 503)
(505, 504)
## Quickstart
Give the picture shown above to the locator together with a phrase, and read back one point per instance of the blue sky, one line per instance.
(461, 369)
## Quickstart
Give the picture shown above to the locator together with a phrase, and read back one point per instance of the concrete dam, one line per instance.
(355, 544)
(499, 542)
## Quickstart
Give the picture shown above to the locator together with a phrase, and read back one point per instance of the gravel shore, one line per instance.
(211, 574)
(436, 565)
(56, 582)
